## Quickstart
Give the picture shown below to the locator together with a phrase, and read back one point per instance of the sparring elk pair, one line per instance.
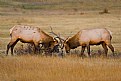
(83, 38)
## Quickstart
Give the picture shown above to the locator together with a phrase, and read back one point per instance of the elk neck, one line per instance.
(47, 38)
(73, 42)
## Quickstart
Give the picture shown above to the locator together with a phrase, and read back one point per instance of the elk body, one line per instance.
(85, 38)
(28, 34)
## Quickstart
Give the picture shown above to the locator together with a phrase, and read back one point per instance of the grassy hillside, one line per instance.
(62, 4)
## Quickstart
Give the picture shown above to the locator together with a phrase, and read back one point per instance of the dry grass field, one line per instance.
(37, 68)
(66, 17)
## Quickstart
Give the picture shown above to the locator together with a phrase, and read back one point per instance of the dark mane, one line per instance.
(73, 42)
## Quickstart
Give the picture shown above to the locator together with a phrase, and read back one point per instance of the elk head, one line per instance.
(59, 40)
(52, 44)
(66, 45)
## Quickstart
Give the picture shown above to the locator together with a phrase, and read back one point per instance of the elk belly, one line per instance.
(26, 38)
(95, 42)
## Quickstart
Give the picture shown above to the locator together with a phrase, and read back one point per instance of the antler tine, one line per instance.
(66, 39)
(57, 36)
(53, 32)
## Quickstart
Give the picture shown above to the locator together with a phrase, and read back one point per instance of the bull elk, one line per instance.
(85, 38)
(28, 34)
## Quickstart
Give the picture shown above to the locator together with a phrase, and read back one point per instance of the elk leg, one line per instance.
(36, 47)
(82, 50)
(12, 46)
(8, 46)
(105, 48)
(112, 48)
(12, 49)
(88, 50)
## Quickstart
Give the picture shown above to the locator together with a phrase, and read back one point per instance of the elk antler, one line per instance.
(58, 36)
(53, 32)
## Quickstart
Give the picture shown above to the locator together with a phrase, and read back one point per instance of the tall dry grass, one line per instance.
(37, 68)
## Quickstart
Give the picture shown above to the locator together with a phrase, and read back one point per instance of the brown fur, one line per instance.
(85, 38)
(73, 42)
(29, 34)
(47, 38)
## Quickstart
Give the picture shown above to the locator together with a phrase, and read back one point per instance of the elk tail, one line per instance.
(110, 34)
(10, 31)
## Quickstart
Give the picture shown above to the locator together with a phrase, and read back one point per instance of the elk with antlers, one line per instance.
(85, 38)
(29, 34)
